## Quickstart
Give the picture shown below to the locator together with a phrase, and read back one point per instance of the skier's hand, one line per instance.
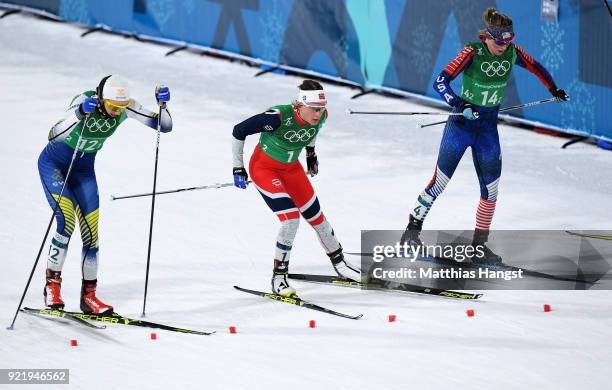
(89, 105)
(469, 112)
(311, 161)
(560, 94)
(240, 177)
(162, 95)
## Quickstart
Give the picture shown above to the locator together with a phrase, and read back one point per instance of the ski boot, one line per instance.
(90, 304)
(280, 285)
(412, 233)
(344, 269)
(485, 255)
(52, 291)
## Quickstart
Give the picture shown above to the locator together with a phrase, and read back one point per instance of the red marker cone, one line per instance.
(73, 343)
(392, 317)
(153, 336)
(312, 323)
(470, 313)
(232, 329)
(547, 308)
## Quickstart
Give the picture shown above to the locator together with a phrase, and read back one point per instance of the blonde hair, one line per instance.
(495, 18)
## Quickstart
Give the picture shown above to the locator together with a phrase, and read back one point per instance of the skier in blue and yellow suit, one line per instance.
(74, 141)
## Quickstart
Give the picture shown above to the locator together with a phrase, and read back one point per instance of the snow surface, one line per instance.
(372, 169)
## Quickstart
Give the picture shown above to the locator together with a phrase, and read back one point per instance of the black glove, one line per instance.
(560, 94)
(311, 161)
(240, 177)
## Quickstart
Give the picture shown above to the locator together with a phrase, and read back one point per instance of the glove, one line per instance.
(560, 94)
(311, 161)
(469, 112)
(89, 105)
(162, 94)
(240, 177)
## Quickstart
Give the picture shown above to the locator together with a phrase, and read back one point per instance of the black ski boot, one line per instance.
(483, 254)
(412, 233)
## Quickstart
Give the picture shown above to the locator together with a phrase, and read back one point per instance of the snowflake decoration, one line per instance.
(189, 6)
(273, 30)
(75, 10)
(579, 112)
(161, 10)
(553, 46)
(422, 43)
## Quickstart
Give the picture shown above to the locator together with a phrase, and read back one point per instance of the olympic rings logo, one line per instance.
(301, 135)
(102, 125)
(495, 68)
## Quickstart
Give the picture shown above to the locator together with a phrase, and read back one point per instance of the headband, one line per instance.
(312, 98)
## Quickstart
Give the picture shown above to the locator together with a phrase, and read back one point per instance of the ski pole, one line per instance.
(351, 112)
(144, 303)
(206, 187)
(42, 244)
(530, 104)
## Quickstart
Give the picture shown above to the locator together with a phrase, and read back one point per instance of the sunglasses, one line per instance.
(116, 107)
(500, 42)
(317, 109)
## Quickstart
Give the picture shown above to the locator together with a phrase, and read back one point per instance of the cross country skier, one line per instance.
(91, 118)
(486, 67)
(280, 179)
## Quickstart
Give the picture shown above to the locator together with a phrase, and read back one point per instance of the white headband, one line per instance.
(312, 98)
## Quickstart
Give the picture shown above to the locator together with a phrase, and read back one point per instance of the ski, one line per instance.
(597, 236)
(493, 267)
(377, 284)
(55, 314)
(113, 318)
(298, 302)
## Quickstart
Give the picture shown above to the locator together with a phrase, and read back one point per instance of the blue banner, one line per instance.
(397, 44)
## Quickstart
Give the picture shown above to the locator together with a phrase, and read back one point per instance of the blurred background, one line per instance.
(389, 46)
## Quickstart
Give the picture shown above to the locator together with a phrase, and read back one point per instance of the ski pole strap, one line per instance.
(206, 187)
(530, 104)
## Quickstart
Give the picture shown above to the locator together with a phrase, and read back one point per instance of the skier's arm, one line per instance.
(442, 84)
(73, 115)
(526, 61)
(149, 118)
(266, 121)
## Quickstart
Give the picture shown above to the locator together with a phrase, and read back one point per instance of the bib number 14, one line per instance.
(492, 100)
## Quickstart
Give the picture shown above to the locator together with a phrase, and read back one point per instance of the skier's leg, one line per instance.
(486, 153)
(300, 189)
(268, 182)
(455, 140)
(52, 178)
(85, 189)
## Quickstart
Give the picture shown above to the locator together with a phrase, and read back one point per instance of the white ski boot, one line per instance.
(280, 285)
(343, 268)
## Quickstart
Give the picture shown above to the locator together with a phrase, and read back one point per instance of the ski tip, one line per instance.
(419, 125)
(358, 317)
(112, 197)
(349, 111)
